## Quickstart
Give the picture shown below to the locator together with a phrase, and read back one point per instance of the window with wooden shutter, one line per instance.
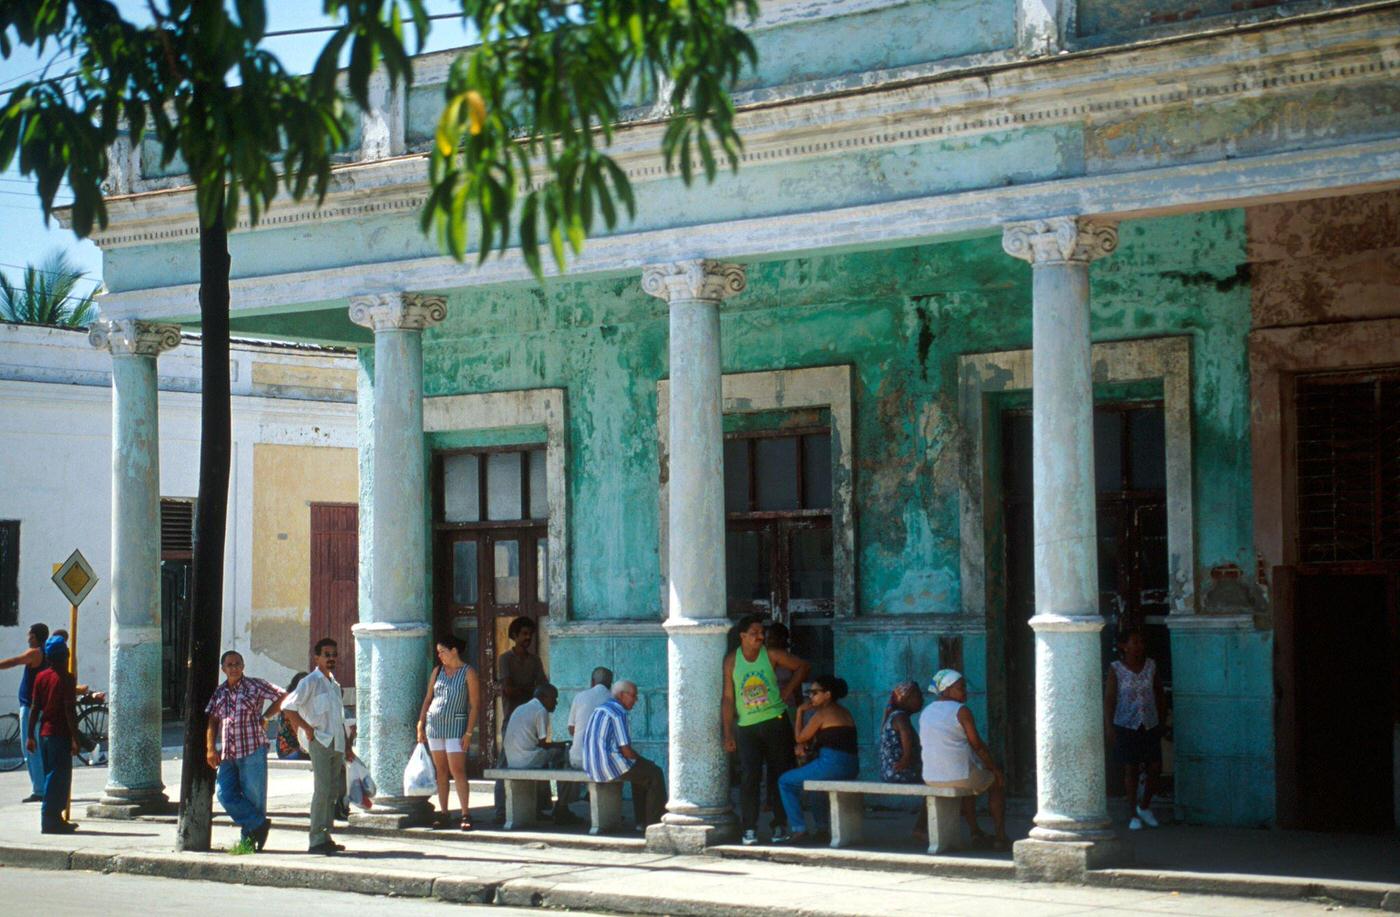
(1348, 467)
(176, 529)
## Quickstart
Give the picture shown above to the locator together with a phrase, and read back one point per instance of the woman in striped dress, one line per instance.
(446, 721)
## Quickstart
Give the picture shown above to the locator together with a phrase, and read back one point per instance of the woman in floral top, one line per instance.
(900, 760)
(288, 748)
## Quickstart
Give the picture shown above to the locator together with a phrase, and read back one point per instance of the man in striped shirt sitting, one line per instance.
(608, 755)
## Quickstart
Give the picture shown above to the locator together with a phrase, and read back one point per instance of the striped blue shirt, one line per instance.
(605, 733)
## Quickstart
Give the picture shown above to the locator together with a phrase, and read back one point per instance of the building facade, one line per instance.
(1020, 325)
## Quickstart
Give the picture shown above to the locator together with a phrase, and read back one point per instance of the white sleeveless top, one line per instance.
(1137, 704)
(943, 741)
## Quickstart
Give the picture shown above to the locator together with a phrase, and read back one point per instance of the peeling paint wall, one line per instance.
(286, 481)
(900, 318)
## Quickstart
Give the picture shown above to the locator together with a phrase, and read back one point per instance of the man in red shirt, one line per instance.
(57, 735)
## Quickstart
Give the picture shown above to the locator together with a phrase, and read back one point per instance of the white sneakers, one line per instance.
(750, 837)
(1135, 824)
(1144, 817)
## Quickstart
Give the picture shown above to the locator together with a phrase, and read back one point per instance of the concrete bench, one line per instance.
(604, 799)
(848, 809)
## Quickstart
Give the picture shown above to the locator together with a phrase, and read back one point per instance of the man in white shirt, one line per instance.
(585, 702)
(316, 710)
(526, 745)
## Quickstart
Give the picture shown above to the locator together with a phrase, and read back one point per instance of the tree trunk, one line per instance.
(210, 518)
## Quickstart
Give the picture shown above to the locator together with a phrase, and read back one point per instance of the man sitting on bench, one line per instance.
(608, 756)
(955, 755)
(527, 745)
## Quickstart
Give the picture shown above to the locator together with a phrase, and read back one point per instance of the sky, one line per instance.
(24, 238)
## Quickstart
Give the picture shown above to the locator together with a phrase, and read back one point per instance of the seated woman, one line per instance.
(900, 760)
(826, 736)
(955, 755)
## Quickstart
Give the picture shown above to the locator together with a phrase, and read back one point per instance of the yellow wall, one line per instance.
(286, 480)
(290, 378)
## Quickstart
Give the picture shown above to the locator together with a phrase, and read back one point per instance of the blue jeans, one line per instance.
(242, 786)
(57, 752)
(33, 760)
(829, 764)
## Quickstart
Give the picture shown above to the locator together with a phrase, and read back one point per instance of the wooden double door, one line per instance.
(486, 578)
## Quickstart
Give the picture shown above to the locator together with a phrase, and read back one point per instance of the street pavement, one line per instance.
(89, 893)
(609, 876)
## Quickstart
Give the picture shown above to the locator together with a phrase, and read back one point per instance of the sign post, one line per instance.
(75, 579)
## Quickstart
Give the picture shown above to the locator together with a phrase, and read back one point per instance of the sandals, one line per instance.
(466, 823)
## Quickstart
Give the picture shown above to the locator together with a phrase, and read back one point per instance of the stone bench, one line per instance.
(604, 799)
(848, 809)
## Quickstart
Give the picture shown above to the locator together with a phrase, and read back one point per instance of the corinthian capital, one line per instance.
(1060, 239)
(689, 280)
(129, 337)
(397, 311)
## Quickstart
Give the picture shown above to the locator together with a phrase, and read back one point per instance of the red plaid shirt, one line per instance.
(239, 710)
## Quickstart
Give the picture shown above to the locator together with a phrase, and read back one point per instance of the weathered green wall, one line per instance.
(900, 318)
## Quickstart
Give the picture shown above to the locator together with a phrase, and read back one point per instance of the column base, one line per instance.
(693, 838)
(1068, 861)
(394, 812)
(125, 804)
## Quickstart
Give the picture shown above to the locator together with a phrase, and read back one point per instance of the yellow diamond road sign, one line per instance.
(75, 578)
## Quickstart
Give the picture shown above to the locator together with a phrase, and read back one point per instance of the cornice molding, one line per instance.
(1060, 240)
(1230, 182)
(397, 311)
(688, 281)
(130, 337)
(1072, 88)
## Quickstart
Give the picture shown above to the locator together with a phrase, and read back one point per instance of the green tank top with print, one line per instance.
(756, 695)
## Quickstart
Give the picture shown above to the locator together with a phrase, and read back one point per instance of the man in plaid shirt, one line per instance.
(237, 706)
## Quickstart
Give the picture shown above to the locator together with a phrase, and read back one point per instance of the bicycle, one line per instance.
(92, 731)
(11, 743)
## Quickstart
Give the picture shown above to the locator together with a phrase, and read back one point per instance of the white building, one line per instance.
(293, 451)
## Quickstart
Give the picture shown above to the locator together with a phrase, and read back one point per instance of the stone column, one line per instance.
(394, 635)
(134, 784)
(1071, 832)
(699, 812)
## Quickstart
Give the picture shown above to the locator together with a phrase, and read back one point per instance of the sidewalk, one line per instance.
(617, 875)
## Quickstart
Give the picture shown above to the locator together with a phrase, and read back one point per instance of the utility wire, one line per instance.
(26, 267)
(16, 80)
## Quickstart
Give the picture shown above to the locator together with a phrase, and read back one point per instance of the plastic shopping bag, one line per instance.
(359, 785)
(419, 778)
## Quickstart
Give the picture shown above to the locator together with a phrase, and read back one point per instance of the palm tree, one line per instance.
(47, 297)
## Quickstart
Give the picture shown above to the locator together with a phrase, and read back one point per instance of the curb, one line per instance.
(1377, 895)
(542, 893)
(545, 893)
(951, 867)
(214, 867)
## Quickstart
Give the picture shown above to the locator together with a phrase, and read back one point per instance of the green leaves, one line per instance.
(199, 85)
(47, 295)
(520, 151)
(552, 81)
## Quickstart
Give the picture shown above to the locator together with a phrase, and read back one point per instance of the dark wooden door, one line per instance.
(175, 579)
(1131, 523)
(1338, 675)
(1344, 658)
(335, 549)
